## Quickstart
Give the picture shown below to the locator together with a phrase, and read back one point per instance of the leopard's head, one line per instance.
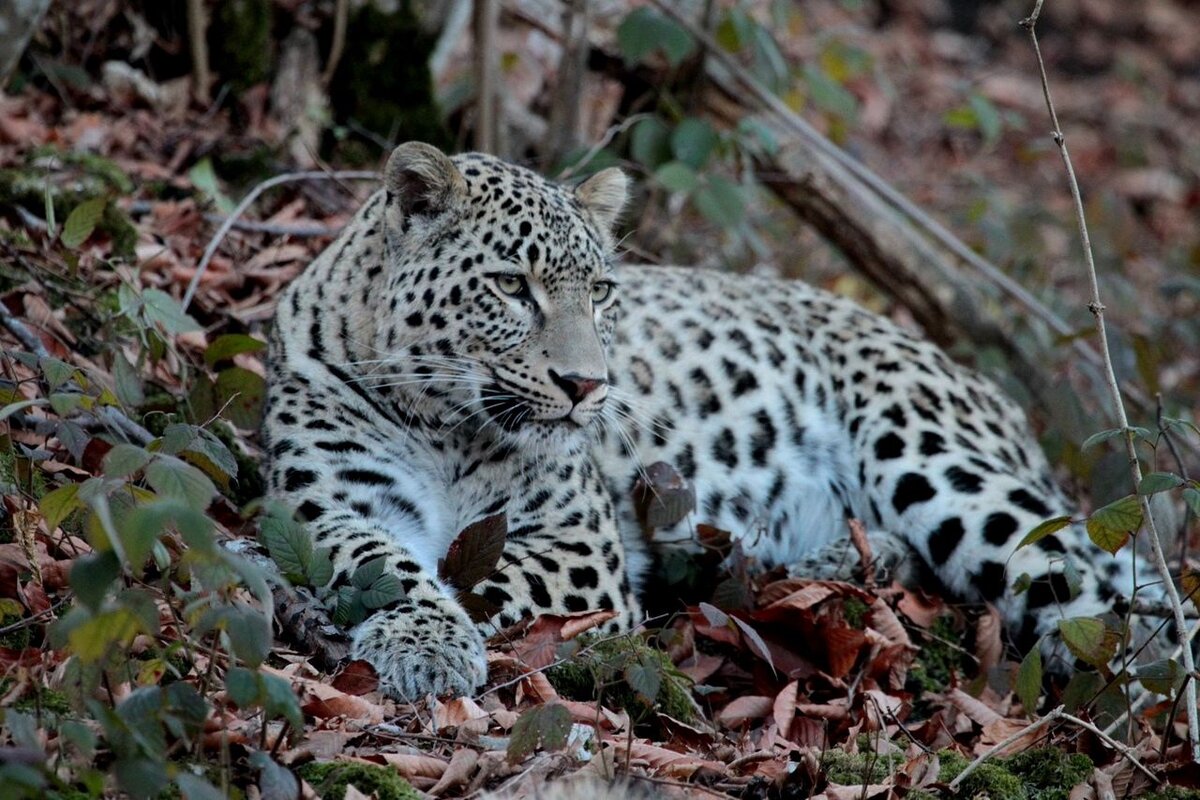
(500, 296)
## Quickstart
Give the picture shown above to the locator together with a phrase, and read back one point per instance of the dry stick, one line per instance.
(1097, 309)
(197, 40)
(341, 13)
(486, 23)
(227, 225)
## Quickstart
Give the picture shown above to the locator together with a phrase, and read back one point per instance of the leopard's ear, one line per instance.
(422, 180)
(604, 194)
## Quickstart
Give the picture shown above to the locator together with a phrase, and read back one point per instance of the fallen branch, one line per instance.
(1097, 309)
(254, 194)
(1054, 716)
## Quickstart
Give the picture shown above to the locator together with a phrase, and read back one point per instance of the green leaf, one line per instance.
(204, 178)
(828, 95)
(92, 575)
(231, 344)
(1029, 679)
(57, 372)
(243, 687)
(116, 628)
(645, 677)
(124, 460)
(160, 309)
(1109, 527)
(385, 590)
(645, 31)
(369, 572)
(474, 553)
(59, 504)
(183, 438)
(241, 393)
(1164, 676)
(349, 609)
(1157, 482)
(249, 633)
(20, 405)
(650, 143)
(67, 403)
(693, 141)
(720, 201)
(289, 544)
(82, 221)
(675, 176)
(1191, 496)
(172, 477)
(127, 382)
(1044, 529)
(548, 724)
(987, 118)
(1098, 438)
(1089, 640)
(281, 701)
(320, 568)
(193, 787)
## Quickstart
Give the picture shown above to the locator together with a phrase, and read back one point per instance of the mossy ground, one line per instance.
(330, 778)
(598, 672)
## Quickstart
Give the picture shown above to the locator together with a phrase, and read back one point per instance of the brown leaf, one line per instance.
(989, 647)
(662, 497)
(474, 553)
(458, 771)
(744, 709)
(357, 678)
(975, 710)
(784, 708)
(843, 646)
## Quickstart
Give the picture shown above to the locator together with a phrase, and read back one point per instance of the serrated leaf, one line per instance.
(1045, 529)
(289, 545)
(280, 700)
(92, 575)
(116, 628)
(59, 504)
(127, 382)
(645, 31)
(56, 372)
(385, 590)
(82, 222)
(368, 572)
(349, 610)
(675, 176)
(645, 677)
(249, 633)
(159, 308)
(67, 403)
(1110, 526)
(474, 553)
(124, 459)
(1157, 482)
(548, 724)
(181, 438)
(320, 568)
(171, 477)
(1028, 684)
(1164, 676)
(1089, 640)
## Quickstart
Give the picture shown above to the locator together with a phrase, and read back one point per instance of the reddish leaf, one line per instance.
(358, 678)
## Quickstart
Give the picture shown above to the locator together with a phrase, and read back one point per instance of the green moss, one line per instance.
(1172, 793)
(240, 41)
(603, 666)
(938, 658)
(990, 779)
(856, 612)
(383, 83)
(1050, 774)
(856, 769)
(330, 779)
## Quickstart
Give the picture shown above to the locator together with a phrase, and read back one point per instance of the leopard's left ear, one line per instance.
(605, 194)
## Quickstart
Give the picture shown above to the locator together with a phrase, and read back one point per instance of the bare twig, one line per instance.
(20, 330)
(198, 42)
(1097, 309)
(230, 221)
(1054, 716)
(341, 13)
(595, 149)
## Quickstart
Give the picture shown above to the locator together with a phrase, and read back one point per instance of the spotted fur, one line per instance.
(467, 347)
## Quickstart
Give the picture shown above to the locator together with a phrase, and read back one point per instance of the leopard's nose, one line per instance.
(576, 387)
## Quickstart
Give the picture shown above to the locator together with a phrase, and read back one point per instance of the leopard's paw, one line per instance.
(417, 650)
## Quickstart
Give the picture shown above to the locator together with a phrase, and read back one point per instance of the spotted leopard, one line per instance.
(467, 346)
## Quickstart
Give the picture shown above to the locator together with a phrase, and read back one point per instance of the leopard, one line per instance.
(469, 346)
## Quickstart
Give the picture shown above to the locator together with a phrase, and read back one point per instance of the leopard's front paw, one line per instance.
(417, 650)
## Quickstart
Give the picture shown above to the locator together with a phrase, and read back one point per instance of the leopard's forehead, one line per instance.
(524, 219)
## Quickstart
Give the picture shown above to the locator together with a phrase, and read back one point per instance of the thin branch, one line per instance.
(1164, 430)
(278, 180)
(197, 25)
(1097, 309)
(341, 14)
(487, 68)
(19, 329)
(1002, 745)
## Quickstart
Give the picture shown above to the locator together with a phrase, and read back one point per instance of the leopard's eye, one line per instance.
(601, 292)
(512, 285)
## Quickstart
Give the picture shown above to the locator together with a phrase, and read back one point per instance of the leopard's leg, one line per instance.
(563, 554)
(350, 475)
